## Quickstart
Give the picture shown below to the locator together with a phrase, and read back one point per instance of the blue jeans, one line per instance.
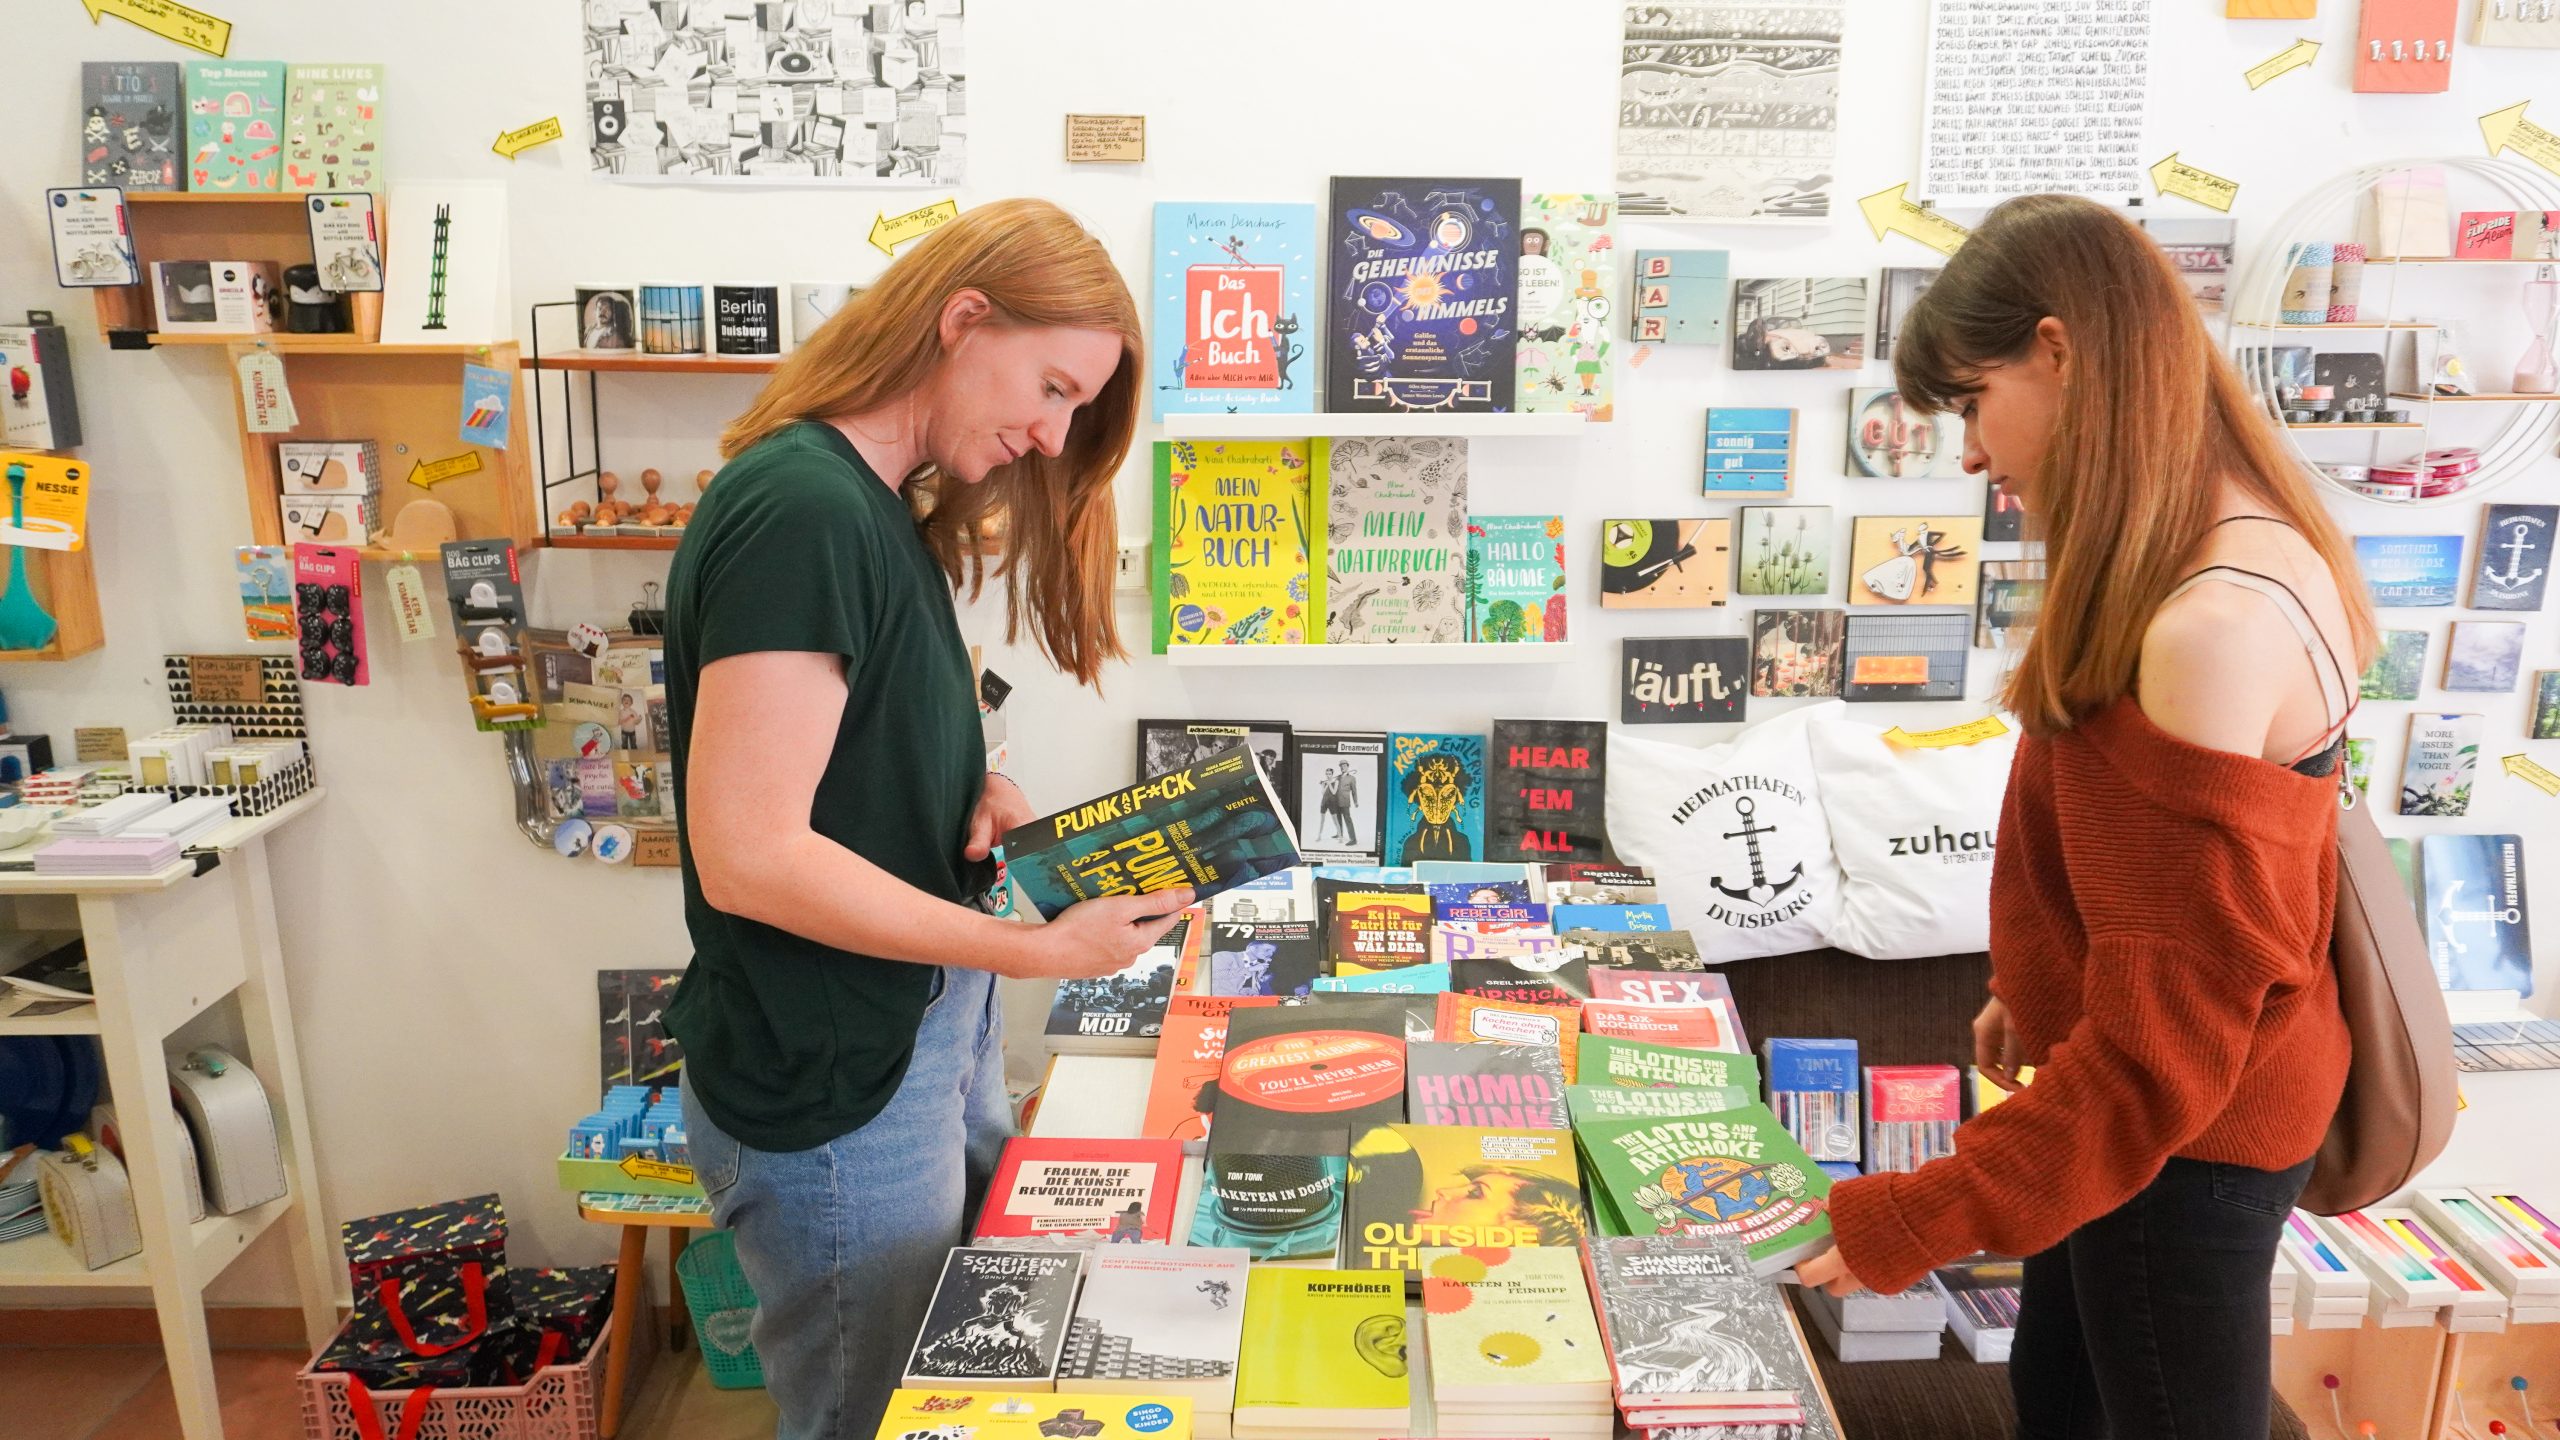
(843, 1242)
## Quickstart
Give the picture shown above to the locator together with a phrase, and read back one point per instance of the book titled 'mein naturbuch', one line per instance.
(1211, 826)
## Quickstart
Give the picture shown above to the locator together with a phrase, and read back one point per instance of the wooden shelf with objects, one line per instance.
(407, 399)
(185, 226)
(66, 585)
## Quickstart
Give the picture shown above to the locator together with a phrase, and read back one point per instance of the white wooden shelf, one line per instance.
(215, 1239)
(1397, 422)
(229, 836)
(1256, 657)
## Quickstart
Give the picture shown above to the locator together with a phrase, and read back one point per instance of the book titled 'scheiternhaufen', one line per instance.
(1211, 826)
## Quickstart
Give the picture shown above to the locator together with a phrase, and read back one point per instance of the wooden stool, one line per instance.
(637, 1214)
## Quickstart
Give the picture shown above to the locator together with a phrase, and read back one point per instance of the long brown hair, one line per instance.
(2153, 420)
(1037, 266)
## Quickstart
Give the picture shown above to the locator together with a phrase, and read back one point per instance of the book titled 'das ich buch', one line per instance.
(1211, 826)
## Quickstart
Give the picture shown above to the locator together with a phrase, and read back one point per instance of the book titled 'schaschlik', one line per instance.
(1211, 825)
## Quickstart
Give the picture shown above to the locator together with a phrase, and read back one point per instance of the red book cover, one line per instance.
(1118, 1189)
(1187, 1060)
(1690, 1027)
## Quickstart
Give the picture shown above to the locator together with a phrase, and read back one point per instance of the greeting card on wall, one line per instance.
(1796, 653)
(1786, 550)
(1235, 286)
(2410, 570)
(446, 267)
(1906, 657)
(1889, 440)
(1662, 564)
(1800, 323)
(790, 93)
(2515, 557)
(1915, 560)
(1728, 112)
(1568, 299)
(2030, 97)
(1677, 680)
(1423, 275)
(1395, 540)
(2442, 762)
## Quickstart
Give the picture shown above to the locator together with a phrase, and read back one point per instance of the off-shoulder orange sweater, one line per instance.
(2160, 919)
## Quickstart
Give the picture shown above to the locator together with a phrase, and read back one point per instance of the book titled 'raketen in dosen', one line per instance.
(1211, 825)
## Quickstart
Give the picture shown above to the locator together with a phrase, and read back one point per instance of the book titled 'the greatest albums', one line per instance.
(1211, 825)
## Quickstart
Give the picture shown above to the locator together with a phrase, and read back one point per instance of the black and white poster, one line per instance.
(781, 91)
(1728, 112)
(1341, 775)
(1683, 680)
(1165, 746)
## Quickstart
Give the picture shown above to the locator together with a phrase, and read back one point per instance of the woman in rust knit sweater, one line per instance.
(2161, 899)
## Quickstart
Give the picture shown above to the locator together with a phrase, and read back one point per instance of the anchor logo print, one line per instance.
(1762, 890)
(2518, 544)
(2451, 914)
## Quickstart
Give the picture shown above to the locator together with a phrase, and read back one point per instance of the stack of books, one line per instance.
(1981, 1300)
(1868, 1326)
(1325, 1357)
(1696, 1339)
(2333, 1293)
(1157, 1321)
(1512, 1345)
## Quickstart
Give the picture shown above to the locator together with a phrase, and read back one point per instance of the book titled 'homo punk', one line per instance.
(1211, 825)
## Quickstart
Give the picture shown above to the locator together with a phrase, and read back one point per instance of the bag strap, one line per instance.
(413, 1412)
(475, 1300)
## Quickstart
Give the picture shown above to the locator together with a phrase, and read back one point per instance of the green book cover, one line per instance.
(1737, 1174)
(1515, 1322)
(1321, 1341)
(1233, 534)
(1606, 1060)
(235, 125)
(1514, 579)
(1621, 1102)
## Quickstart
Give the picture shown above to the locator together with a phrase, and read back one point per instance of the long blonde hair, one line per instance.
(2153, 421)
(1037, 266)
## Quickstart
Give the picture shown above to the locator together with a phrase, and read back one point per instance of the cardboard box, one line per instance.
(328, 519)
(215, 297)
(329, 467)
(38, 408)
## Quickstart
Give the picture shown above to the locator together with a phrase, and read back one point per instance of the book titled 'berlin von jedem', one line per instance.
(1211, 825)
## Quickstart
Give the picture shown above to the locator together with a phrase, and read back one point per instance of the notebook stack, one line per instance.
(2333, 1294)
(1981, 1300)
(1696, 1340)
(110, 818)
(185, 822)
(1159, 1320)
(1325, 1357)
(113, 855)
(2407, 1291)
(21, 1212)
(1512, 1344)
(1868, 1326)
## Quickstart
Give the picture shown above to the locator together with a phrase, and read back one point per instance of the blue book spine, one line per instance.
(1611, 917)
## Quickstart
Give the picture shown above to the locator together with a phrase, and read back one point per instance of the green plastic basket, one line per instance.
(723, 1305)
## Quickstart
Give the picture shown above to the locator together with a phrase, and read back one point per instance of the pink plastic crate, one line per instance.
(561, 1402)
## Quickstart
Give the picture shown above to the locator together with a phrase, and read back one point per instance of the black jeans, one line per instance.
(2150, 1323)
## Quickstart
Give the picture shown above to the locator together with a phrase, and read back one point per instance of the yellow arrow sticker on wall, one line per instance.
(1886, 210)
(2175, 177)
(429, 473)
(512, 143)
(2532, 774)
(170, 21)
(2508, 130)
(639, 1169)
(2292, 58)
(891, 231)
(1971, 732)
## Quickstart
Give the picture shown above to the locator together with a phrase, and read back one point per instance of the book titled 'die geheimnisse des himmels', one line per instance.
(1211, 825)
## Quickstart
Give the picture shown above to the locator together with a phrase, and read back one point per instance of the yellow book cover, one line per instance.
(1320, 1344)
(1011, 1415)
(1232, 540)
(1513, 1322)
(1418, 1186)
(1376, 931)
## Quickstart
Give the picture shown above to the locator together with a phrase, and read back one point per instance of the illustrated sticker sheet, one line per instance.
(789, 90)
(333, 127)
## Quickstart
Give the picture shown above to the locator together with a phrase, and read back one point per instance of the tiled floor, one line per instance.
(118, 1393)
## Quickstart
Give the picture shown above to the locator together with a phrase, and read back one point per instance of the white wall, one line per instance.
(443, 968)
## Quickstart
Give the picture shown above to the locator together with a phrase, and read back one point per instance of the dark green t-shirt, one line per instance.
(797, 545)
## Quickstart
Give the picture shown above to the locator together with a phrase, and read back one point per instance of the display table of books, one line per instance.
(1366, 1152)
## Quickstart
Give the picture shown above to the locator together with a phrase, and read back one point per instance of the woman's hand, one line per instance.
(1829, 1272)
(1097, 937)
(1001, 806)
(1995, 1045)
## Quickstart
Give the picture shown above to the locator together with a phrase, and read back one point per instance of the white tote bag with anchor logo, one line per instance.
(1734, 833)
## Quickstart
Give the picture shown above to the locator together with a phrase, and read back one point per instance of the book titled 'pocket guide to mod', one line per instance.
(1211, 825)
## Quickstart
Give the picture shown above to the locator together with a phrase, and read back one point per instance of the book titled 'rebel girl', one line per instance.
(1211, 826)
